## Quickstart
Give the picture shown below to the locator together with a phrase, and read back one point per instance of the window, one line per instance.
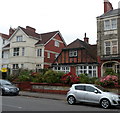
(89, 88)
(16, 52)
(39, 52)
(90, 70)
(110, 24)
(23, 51)
(48, 55)
(3, 41)
(111, 47)
(114, 23)
(64, 69)
(19, 39)
(72, 53)
(80, 87)
(56, 55)
(22, 65)
(15, 66)
(57, 44)
(107, 25)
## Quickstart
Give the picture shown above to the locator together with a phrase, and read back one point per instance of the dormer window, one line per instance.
(73, 53)
(19, 38)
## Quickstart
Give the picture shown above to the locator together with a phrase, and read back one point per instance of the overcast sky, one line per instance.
(71, 17)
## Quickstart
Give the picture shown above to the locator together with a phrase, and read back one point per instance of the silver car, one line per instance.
(91, 93)
(7, 88)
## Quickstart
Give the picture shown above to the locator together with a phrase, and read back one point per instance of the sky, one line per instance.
(73, 18)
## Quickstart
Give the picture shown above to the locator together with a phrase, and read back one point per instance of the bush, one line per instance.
(109, 71)
(70, 78)
(108, 81)
(52, 76)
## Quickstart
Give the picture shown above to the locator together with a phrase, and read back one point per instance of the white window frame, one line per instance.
(110, 24)
(72, 53)
(48, 54)
(65, 69)
(19, 38)
(39, 52)
(57, 44)
(16, 51)
(15, 66)
(23, 51)
(111, 46)
(86, 69)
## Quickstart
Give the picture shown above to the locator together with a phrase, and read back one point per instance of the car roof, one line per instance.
(83, 84)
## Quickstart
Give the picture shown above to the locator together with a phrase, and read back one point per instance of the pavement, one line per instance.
(43, 95)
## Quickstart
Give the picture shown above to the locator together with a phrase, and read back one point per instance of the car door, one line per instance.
(80, 92)
(90, 95)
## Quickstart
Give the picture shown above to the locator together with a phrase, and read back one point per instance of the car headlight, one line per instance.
(114, 97)
(7, 89)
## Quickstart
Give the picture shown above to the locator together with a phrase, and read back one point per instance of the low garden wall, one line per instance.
(43, 87)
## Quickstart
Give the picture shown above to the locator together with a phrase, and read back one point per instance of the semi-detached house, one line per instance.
(30, 50)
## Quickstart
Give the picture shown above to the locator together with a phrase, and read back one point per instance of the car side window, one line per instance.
(90, 88)
(80, 87)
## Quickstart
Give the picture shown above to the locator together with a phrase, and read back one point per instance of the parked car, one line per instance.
(7, 88)
(91, 93)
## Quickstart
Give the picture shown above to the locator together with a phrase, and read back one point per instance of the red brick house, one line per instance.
(78, 57)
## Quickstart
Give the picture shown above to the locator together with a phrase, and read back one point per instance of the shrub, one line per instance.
(108, 81)
(52, 76)
(70, 78)
(109, 71)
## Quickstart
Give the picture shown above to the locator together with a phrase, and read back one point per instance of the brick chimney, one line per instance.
(11, 31)
(31, 28)
(86, 39)
(107, 6)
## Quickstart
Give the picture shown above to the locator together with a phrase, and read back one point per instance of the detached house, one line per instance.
(108, 39)
(78, 57)
(30, 50)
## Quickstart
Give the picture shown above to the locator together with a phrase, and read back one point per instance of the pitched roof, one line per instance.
(91, 49)
(46, 37)
(43, 38)
(5, 36)
(30, 33)
(114, 12)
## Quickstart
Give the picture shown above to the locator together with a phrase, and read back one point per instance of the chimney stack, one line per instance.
(107, 6)
(11, 31)
(86, 39)
(31, 28)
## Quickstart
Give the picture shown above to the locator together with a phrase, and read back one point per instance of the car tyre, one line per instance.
(105, 103)
(71, 100)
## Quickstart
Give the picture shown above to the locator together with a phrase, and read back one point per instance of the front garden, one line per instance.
(45, 76)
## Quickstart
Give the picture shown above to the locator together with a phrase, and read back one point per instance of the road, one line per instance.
(23, 103)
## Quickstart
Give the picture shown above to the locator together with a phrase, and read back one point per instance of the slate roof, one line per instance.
(43, 38)
(5, 36)
(114, 12)
(46, 37)
(91, 49)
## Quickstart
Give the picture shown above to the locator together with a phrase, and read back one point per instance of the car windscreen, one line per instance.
(4, 82)
(101, 88)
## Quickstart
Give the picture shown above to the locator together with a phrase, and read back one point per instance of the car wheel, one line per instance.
(71, 100)
(105, 103)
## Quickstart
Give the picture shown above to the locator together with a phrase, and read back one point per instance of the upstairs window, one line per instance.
(72, 53)
(57, 44)
(110, 24)
(39, 52)
(23, 51)
(111, 47)
(16, 51)
(19, 38)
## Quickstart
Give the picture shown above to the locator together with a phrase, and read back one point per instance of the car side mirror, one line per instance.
(96, 91)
